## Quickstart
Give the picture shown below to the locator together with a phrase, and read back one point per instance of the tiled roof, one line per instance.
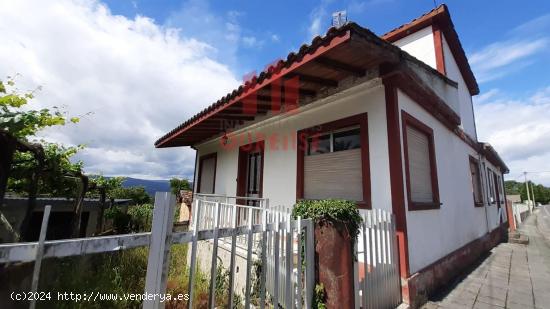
(442, 18)
(267, 73)
(294, 58)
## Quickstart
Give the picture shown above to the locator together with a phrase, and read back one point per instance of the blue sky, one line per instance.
(271, 29)
(155, 63)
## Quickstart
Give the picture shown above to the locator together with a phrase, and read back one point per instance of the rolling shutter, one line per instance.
(418, 147)
(334, 175)
(208, 168)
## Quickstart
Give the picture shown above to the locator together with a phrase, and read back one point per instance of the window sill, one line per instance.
(424, 206)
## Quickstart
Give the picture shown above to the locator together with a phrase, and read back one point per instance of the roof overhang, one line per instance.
(492, 156)
(441, 18)
(349, 51)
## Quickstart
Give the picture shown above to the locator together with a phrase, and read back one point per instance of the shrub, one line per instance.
(338, 211)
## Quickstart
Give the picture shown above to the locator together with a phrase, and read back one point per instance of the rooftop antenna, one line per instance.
(339, 18)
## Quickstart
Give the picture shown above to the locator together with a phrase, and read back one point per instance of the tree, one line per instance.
(54, 175)
(104, 187)
(138, 195)
(542, 193)
(178, 185)
(18, 124)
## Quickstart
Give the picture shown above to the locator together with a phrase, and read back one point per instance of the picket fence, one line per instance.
(377, 279)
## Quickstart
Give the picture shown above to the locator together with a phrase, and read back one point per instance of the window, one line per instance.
(333, 161)
(490, 186)
(207, 173)
(501, 190)
(420, 164)
(476, 182)
(345, 139)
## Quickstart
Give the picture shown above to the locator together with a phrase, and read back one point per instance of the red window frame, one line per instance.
(362, 121)
(410, 121)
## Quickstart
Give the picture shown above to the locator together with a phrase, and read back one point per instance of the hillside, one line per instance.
(151, 186)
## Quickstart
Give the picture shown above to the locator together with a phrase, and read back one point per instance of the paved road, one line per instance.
(512, 276)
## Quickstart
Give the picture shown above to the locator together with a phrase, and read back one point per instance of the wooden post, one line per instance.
(334, 257)
(39, 253)
(159, 249)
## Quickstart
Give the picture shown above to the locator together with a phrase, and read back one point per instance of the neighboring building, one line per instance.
(59, 224)
(514, 198)
(385, 121)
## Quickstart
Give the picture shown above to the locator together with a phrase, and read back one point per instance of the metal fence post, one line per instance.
(310, 263)
(159, 249)
(39, 254)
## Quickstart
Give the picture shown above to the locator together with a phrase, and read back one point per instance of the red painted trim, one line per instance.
(396, 176)
(475, 161)
(423, 95)
(244, 150)
(201, 160)
(362, 121)
(439, 51)
(409, 121)
(442, 18)
(336, 41)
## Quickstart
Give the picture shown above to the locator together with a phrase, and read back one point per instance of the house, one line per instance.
(386, 121)
(514, 198)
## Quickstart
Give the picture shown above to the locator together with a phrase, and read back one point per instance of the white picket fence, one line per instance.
(276, 230)
(278, 244)
(284, 246)
(377, 279)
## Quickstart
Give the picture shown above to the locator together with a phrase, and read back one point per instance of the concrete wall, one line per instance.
(279, 180)
(435, 233)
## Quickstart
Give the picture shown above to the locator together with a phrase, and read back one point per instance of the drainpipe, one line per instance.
(484, 190)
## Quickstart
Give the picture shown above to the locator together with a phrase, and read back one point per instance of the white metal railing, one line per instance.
(377, 279)
(279, 246)
(277, 231)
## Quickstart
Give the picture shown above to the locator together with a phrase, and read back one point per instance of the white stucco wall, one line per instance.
(420, 45)
(433, 234)
(464, 98)
(279, 178)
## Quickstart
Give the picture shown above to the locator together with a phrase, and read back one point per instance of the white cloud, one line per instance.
(318, 19)
(252, 42)
(495, 60)
(519, 129)
(139, 80)
(517, 51)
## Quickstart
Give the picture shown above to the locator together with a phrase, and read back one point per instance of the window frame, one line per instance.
(475, 161)
(199, 176)
(360, 120)
(491, 193)
(408, 120)
(331, 139)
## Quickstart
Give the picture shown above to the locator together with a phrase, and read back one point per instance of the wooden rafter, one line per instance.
(340, 66)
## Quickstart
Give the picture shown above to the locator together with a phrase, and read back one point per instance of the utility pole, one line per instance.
(533, 194)
(527, 187)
